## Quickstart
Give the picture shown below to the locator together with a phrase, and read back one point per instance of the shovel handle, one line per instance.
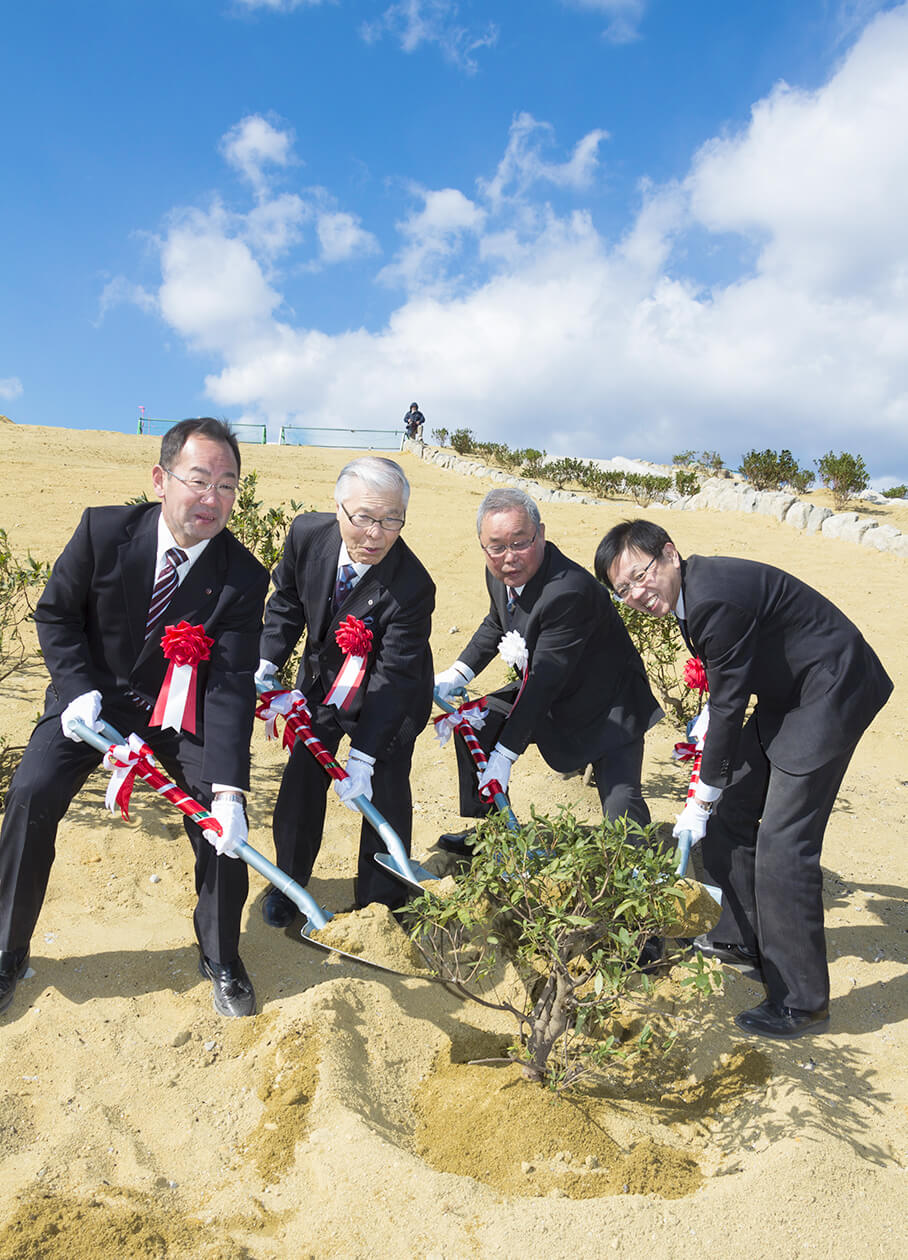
(499, 800)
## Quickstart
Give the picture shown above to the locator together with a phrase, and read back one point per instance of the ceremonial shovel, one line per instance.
(499, 800)
(298, 724)
(109, 738)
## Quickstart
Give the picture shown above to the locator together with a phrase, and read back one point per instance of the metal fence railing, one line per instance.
(348, 439)
(151, 427)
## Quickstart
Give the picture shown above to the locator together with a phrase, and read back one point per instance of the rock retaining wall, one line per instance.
(717, 494)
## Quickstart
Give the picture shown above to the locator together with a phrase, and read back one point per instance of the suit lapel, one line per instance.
(137, 561)
(321, 577)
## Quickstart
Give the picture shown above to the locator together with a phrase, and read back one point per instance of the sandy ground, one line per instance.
(135, 1122)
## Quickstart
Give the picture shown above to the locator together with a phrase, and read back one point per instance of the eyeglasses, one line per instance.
(200, 487)
(637, 580)
(497, 550)
(362, 520)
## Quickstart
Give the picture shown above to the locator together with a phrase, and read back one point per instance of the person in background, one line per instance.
(413, 422)
(768, 781)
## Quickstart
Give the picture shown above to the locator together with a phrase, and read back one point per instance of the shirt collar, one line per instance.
(344, 558)
(166, 540)
(679, 609)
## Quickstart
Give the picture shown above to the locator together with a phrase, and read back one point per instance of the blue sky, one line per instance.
(596, 227)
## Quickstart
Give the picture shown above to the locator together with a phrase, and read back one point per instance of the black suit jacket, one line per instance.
(91, 627)
(395, 598)
(587, 690)
(760, 631)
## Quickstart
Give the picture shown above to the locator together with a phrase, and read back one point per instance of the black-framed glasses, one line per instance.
(362, 520)
(198, 486)
(497, 550)
(636, 581)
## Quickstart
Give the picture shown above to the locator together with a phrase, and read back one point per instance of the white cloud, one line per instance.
(10, 388)
(280, 6)
(417, 22)
(624, 17)
(255, 144)
(531, 327)
(341, 238)
(522, 164)
(432, 237)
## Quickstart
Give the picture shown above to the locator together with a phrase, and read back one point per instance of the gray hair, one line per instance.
(375, 472)
(505, 499)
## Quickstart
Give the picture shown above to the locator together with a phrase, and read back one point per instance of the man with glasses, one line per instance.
(351, 563)
(126, 574)
(768, 781)
(583, 694)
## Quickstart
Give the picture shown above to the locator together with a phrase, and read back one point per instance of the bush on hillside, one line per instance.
(844, 474)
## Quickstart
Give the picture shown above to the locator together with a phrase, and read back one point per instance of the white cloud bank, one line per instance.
(530, 327)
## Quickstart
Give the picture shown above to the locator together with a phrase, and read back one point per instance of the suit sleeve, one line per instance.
(285, 614)
(565, 625)
(726, 636)
(230, 689)
(400, 679)
(61, 617)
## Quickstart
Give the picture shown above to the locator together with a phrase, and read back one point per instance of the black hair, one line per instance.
(179, 434)
(640, 534)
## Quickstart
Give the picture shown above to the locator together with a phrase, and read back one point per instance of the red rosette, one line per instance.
(695, 675)
(353, 637)
(185, 644)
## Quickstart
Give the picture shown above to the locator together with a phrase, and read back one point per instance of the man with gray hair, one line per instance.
(581, 694)
(351, 563)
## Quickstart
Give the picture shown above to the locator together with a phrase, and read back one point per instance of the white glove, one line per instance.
(266, 676)
(453, 679)
(358, 781)
(498, 767)
(693, 818)
(85, 708)
(234, 828)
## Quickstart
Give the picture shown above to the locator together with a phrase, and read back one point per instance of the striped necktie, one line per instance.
(344, 584)
(512, 601)
(164, 587)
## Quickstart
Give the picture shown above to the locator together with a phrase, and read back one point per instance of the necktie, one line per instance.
(343, 585)
(165, 585)
(512, 601)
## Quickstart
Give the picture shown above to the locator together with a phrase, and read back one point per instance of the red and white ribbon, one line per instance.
(473, 711)
(134, 758)
(353, 637)
(184, 646)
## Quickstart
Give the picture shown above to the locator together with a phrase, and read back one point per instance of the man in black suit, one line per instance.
(768, 782)
(583, 695)
(351, 564)
(125, 573)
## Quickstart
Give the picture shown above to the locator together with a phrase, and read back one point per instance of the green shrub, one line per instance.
(659, 642)
(684, 458)
(686, 483)
(440, 436)
(844, 474)
(647, 488)
(463, 442)
(896, 492)
(262, 532)
(532, 463)
(771, 470)
(564, 470)
(571, 907)
(21, 582)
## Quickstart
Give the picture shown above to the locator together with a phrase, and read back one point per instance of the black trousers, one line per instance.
(618, 772)
(50, 774)
(762, 848)
(299, 817)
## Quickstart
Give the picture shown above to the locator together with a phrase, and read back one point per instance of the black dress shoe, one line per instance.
(731, 954)
(233, 991)
(13, 966)
(784, 1022)
(277, 909)
(458, 842)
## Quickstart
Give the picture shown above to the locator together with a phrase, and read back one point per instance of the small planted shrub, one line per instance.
(896, 492)
(571, 906)
(440, 437)
(463, 442)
